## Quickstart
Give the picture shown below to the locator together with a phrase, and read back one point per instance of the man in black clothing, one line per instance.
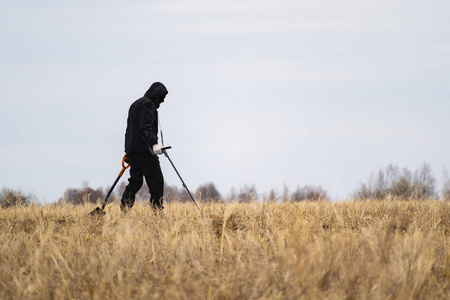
(141, 148)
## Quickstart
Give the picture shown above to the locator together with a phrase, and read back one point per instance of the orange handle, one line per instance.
(123, 162)
(124, 167)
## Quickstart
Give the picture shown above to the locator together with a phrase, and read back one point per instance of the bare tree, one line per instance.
(209, 192)
(233, 194)
(270, 197)
(400, 183)
(84, 195)
(120, 190)
(171, 193)
(246, 194)
(309, 192)
(9, 197)
(424, 183)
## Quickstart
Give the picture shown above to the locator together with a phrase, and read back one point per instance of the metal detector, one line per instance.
(182, 181)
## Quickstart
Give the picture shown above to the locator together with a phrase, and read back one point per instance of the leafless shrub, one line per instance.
(246, 194)
(309, 192)
(11, 197)
(208, 192)
(84, 195)
(173, 193)
(399, 183)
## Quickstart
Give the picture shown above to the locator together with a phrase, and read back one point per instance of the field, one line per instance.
(307, 250)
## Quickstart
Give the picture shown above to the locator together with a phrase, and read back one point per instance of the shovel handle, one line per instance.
(124, 167)
(125, 162)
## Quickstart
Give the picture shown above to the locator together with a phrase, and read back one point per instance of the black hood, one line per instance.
(156, 93)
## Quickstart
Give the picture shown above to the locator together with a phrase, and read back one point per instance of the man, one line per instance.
(141, 148)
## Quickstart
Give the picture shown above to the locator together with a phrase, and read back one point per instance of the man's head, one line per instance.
(157, 93)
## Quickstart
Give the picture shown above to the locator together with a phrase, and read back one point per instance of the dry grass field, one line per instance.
(307, 250)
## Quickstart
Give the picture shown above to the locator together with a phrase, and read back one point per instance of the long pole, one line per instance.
(99, 211)
(182, 181)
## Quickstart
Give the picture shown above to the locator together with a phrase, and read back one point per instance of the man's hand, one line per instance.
(157, 149)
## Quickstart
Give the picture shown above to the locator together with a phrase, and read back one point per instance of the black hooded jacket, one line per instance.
(142, 122)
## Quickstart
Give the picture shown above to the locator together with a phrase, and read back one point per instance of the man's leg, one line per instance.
(134, 184)
(151, 169)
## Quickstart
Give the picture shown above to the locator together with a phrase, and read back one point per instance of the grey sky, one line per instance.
(260, 92)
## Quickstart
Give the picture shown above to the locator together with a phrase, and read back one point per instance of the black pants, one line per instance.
(144, 164)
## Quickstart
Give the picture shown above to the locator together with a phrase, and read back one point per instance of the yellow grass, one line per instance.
(351, 250)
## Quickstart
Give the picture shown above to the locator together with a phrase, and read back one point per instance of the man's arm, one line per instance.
(146, 117)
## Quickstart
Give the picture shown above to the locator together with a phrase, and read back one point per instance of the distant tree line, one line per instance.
(206, 192)
(402, 184)
(392, 181)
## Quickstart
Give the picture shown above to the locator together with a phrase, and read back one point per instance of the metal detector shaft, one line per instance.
(182, 181)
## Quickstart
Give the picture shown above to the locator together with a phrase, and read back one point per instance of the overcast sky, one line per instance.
(264, 93)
